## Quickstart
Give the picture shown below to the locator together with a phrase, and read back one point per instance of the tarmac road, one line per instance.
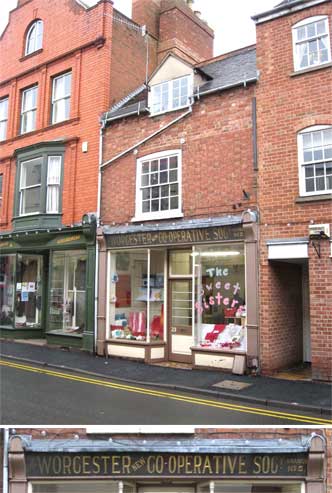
(34, 395)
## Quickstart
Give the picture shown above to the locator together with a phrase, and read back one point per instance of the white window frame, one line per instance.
(304, 22)
(303, 165)
(25, 111)
(29, 187)
(35, 34)
(53, 184)
(63, 96)
(170, 87)
(146, 216)
(3, 118)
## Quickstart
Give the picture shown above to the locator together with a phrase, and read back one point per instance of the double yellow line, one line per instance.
(170, 395)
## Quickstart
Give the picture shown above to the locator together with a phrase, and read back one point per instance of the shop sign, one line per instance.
(176, 237)
(66, 240)
(7, 244)
(165, 464)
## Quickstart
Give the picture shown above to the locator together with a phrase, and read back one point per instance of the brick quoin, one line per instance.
(287, 104)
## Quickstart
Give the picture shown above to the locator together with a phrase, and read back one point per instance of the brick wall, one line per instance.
(216, 166)
(287, 104)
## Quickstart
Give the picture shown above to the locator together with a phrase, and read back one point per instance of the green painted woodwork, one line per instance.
(21, 333)
(64, 341)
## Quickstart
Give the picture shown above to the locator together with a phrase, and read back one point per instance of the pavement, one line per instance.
(264, 391)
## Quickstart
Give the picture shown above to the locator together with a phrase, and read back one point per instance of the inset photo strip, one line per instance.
(166, 241)
(187, 460)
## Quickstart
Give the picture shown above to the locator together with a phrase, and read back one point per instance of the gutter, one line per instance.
(284, 10)
(131, 148)
(221, 88)
(130, 113)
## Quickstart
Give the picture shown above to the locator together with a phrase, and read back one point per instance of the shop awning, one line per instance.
(217, 446)
(288, 249)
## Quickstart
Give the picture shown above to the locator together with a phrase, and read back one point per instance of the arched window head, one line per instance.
(34, 39)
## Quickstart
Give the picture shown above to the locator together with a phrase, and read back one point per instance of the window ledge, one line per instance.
(313, 198)
(25, 57)
(155, 217)
(160, 113)
(41, 130)
(311, 69)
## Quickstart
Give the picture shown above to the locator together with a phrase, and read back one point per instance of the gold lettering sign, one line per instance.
(68, 239)
(6, 244)
(157, 465)
(184, 237)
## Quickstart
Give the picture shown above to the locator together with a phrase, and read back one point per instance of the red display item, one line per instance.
(157, 327)
(212, 336)
(230, 312)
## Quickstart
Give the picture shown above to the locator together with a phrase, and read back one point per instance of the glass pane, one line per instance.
(146, 206)
(145, 180)
(181, 303)
(68, 297)
(7, 289)
(155, 192)
(174, 203)
(31, 173)
(301, 34)
(321, 27)
(164, 191)
(146, 193)
(157, 288)
(154, 179)
(309, 171)
(180, 262)
(154, 166)
(307, 140)
(320, 183)
(164, 204)
(154, 205)
(30, 200)
(310, 185)
(4, 109)
(311, 30)
(307, 156)
(173, 175)
(173, 162)
(221, 306)
(28, 291)
(128, 295)
(164, 177)
(174, 188)
(318, 154)
(145, 167)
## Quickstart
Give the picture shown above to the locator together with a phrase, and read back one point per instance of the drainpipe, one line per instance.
(100, 160)
(5, 459)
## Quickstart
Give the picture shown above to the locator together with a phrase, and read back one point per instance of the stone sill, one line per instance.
(25, 57)
(311, 69)
(313, 198)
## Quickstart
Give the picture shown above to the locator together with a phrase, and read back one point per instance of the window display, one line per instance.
(220, 304)
(67, 294)
(7, 290)
(136, 295)
(249, 487)
(28, 302)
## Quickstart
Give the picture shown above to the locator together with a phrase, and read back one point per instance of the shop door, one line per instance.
(29, 289)
(180, 320)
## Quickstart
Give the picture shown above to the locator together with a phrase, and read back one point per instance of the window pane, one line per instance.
(308, 156)
(154, 166)
(155, 205)
(318, 154)
(146, 193)
(4, 109)
(309, 171)
(145, 180)
(174, 188)
(128, 295)
(155, 192)
(28, 305)
(31, 200)
(157, 260)
(146, 167)
(327, 134)
(310, 185)
(173, 175)
(31, 173)
(221, 305)
(301, 33)
(164, 177)
(174, 202)
(173, 162)
(53, 197)
(317, 139)
(164, 191)
(320, 184)
(7, 289)
(311, 30)
(307, 140)
(164, 204)
(319, 170)
(180, 262)
(146, 206)
(321, 27)
(154, 179)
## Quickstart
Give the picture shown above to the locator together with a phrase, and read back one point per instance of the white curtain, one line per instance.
(53, 184)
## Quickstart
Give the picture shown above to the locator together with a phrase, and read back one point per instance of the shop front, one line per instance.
(46, 285)
(181, 293)
(160, 465)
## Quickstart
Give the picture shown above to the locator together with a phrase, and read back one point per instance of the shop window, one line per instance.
(61, 93)
(220, 297)
(258, 486)
(136, 295)
(34, 37)
(311, 42)
(3, 118)
(68, 293)
(7, 290)
(38, 185)
(101, 486)
(315, 160)
(171, 95)
(28, 302)
(28, 109)
(158, 193)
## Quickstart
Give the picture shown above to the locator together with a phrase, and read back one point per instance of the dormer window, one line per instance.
(34, 39)
(171, 95)
(311, 42)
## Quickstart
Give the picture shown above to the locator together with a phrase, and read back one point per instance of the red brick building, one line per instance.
(178, 262)
(275, 460)
(294, 101)
(62, 65)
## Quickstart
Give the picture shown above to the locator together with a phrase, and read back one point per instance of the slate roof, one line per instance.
(280, 8)
(231, 71)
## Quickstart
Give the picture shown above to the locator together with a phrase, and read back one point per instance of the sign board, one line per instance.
(146, 464)
(176, 237)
